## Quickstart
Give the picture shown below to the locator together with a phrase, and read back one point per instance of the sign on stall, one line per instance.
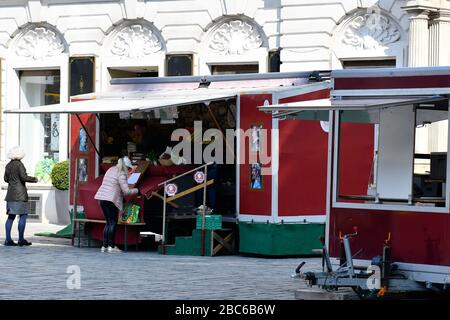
(199, 177)
(171, 189)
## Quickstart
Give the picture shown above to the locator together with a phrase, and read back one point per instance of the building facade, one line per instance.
(52, 49)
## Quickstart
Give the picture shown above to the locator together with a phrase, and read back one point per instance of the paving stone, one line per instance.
(40, 272)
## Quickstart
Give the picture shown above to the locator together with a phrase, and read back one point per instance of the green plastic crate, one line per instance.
(212, 222)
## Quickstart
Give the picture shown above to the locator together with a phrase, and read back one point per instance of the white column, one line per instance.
(434, 43)
(439, 45)
(418, 39)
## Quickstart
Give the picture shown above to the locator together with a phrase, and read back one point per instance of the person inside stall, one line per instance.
(140, 137)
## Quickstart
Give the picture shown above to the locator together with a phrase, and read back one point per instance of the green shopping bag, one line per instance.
(130, 213)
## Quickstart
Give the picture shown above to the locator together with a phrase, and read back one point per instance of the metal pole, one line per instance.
(75, 211)
(204, 210)
(348, 256)
(163, 244)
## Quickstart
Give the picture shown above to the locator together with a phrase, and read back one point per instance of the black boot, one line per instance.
(24, 243)
(10, 243)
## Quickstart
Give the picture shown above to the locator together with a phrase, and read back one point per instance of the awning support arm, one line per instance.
(88, 135)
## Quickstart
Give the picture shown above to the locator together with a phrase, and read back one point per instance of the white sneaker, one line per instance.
(103, 249)
(114, 250)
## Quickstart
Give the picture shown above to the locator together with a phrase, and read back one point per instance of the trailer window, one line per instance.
(386, 157)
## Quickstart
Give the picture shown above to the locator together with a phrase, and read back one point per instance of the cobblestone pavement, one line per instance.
(40, 272)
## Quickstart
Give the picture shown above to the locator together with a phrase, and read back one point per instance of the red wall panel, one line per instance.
(356, 148)
(302, 175)
(416, 237)
(256, 202)
(89, 120)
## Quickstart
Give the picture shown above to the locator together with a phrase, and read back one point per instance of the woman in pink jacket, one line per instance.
(114, 187)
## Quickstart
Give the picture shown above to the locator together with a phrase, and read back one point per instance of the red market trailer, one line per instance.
(391, 230)
(280, 213)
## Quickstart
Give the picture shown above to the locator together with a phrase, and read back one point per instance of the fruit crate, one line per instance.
(212, 222)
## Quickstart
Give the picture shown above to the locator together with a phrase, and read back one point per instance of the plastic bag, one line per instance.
(130, 214)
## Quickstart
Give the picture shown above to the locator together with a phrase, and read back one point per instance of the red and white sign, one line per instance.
(171, 189)
(199, 177)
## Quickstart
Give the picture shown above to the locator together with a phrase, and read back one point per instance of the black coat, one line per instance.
(16, 176)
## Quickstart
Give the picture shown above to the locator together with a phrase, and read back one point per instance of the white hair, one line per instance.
(122, 167)
(16, 153)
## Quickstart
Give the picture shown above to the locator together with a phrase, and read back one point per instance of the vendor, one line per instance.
(138, 136)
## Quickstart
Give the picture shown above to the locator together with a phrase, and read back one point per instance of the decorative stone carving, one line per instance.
(39, 43)
(135, 41)
(235, 37)
(371, 31)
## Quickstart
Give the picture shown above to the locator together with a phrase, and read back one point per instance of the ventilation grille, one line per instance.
(35, 208)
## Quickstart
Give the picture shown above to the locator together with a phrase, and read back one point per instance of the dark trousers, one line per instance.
(110, 212)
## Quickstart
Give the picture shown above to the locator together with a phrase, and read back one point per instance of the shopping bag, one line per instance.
(130, 214)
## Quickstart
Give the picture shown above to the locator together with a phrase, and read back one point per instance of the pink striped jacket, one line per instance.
(114, 187)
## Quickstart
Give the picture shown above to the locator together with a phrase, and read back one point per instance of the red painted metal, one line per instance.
(413, 82)
(89, 121)
(254, 202)
(420, 238)
(416, 237)
(303, 160)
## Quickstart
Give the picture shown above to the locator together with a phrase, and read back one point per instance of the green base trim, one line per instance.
(280, 239)
(65, 232)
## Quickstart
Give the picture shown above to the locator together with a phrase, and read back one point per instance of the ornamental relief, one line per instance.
(235, 37)
(135, 41)
(371, 31)
(39, 43)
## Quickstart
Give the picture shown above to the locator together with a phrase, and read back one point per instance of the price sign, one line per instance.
(171, 189)
(199, 177)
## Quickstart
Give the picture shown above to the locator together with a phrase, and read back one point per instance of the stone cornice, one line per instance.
(417, 8)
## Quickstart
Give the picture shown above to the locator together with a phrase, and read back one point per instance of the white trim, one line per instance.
(372, 206)
(390, 92)
(336, 156)
(255, 218)
(238, 152)
(329, 177)
(291, 219)
(302, 219)
(275, 161)
(304, 89)
(388, 207)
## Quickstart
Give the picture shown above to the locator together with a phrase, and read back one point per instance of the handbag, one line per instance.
(130, 214)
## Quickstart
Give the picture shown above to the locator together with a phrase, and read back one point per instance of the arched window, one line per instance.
(133, 49)
(369, 38)
(234, 45)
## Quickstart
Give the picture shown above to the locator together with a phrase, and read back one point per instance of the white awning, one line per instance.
(134, 101)
(366, 103)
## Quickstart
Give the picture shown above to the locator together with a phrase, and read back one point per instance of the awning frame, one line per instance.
(284, 110)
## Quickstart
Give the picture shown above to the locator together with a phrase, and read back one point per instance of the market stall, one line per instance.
(279, 206)
(390, 231)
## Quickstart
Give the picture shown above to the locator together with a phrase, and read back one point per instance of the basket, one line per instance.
(165, 162)
(212, 222)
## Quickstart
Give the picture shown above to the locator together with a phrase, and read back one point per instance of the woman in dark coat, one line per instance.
(17, 196)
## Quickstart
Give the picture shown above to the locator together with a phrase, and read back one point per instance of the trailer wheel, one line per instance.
(366, 294)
